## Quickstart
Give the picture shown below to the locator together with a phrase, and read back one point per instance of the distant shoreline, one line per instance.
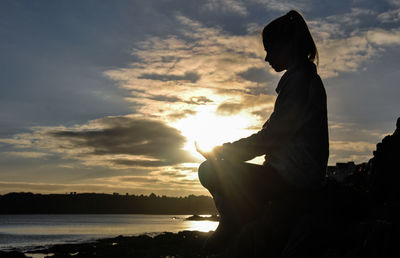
(195, 217)
(94, 203)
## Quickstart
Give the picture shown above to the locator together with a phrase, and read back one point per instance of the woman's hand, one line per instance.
(205, 154)
(214, 154)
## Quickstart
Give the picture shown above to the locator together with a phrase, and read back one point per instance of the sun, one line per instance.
(209, 129)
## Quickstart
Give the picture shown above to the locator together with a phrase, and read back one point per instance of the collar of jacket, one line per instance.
(308, 65)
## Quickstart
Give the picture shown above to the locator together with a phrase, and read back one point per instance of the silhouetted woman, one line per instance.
(294, 141)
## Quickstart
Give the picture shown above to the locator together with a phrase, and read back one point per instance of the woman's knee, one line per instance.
(205, 174)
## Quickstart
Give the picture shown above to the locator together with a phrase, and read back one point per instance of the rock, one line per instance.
(12, 254)
(182, 244)
(397, 132)
(208, 218)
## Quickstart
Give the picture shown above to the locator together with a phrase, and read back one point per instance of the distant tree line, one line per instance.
(95, 203)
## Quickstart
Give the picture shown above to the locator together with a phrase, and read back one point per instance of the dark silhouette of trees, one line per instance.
(95, 203)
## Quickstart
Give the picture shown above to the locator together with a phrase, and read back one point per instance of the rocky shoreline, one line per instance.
(182, 244)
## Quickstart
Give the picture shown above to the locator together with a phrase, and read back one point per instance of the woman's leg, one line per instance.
(240, 191)
(229, 185)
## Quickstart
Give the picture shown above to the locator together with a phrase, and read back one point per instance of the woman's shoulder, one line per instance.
(299, 78)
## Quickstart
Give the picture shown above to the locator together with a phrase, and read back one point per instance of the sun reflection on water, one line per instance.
(203, 226)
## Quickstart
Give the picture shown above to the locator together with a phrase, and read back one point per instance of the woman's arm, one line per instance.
(280, 127)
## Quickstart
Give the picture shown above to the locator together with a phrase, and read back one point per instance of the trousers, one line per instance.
(253, 200)
(241, 190)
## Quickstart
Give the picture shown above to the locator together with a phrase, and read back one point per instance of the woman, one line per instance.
(294, 140)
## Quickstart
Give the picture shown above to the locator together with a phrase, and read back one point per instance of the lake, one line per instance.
(26, 231)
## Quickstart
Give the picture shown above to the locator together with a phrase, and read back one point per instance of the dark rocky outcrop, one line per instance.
(358, 213)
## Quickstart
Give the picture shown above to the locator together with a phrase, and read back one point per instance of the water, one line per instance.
(24, 232)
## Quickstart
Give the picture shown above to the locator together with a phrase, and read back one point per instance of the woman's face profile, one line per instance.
(278, 55)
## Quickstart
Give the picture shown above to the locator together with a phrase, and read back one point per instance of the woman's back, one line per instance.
(301, 149)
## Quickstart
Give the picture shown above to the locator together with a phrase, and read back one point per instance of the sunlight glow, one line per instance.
(209, 129)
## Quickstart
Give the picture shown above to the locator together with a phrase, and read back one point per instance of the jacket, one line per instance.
(295, 138)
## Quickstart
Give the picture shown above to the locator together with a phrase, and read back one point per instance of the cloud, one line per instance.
(247, 102)
(28, 154)
(196, 63)
(349, 142)
(116, 142)
(158, 143)
(163, 98)
(207, 61)
(285, 5)
(263, 114)
(391, 16)
(357, 151)
(229, 108)
(133, 185)
(352, 146)
(178, 178)
(184, 60)
(254, 74)
(346, 42)
(136, 179)
(187, 76)
(395, 3)
(135, 162)
(349, 54)
(381, 37)
(174, 75)
(225, 6)
(200, 100)
(344, 55)
(181, 114)
(352, 18)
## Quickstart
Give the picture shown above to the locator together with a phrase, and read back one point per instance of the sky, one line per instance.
(110, 96)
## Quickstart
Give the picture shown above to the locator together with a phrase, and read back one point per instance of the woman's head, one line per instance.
(288, 40)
